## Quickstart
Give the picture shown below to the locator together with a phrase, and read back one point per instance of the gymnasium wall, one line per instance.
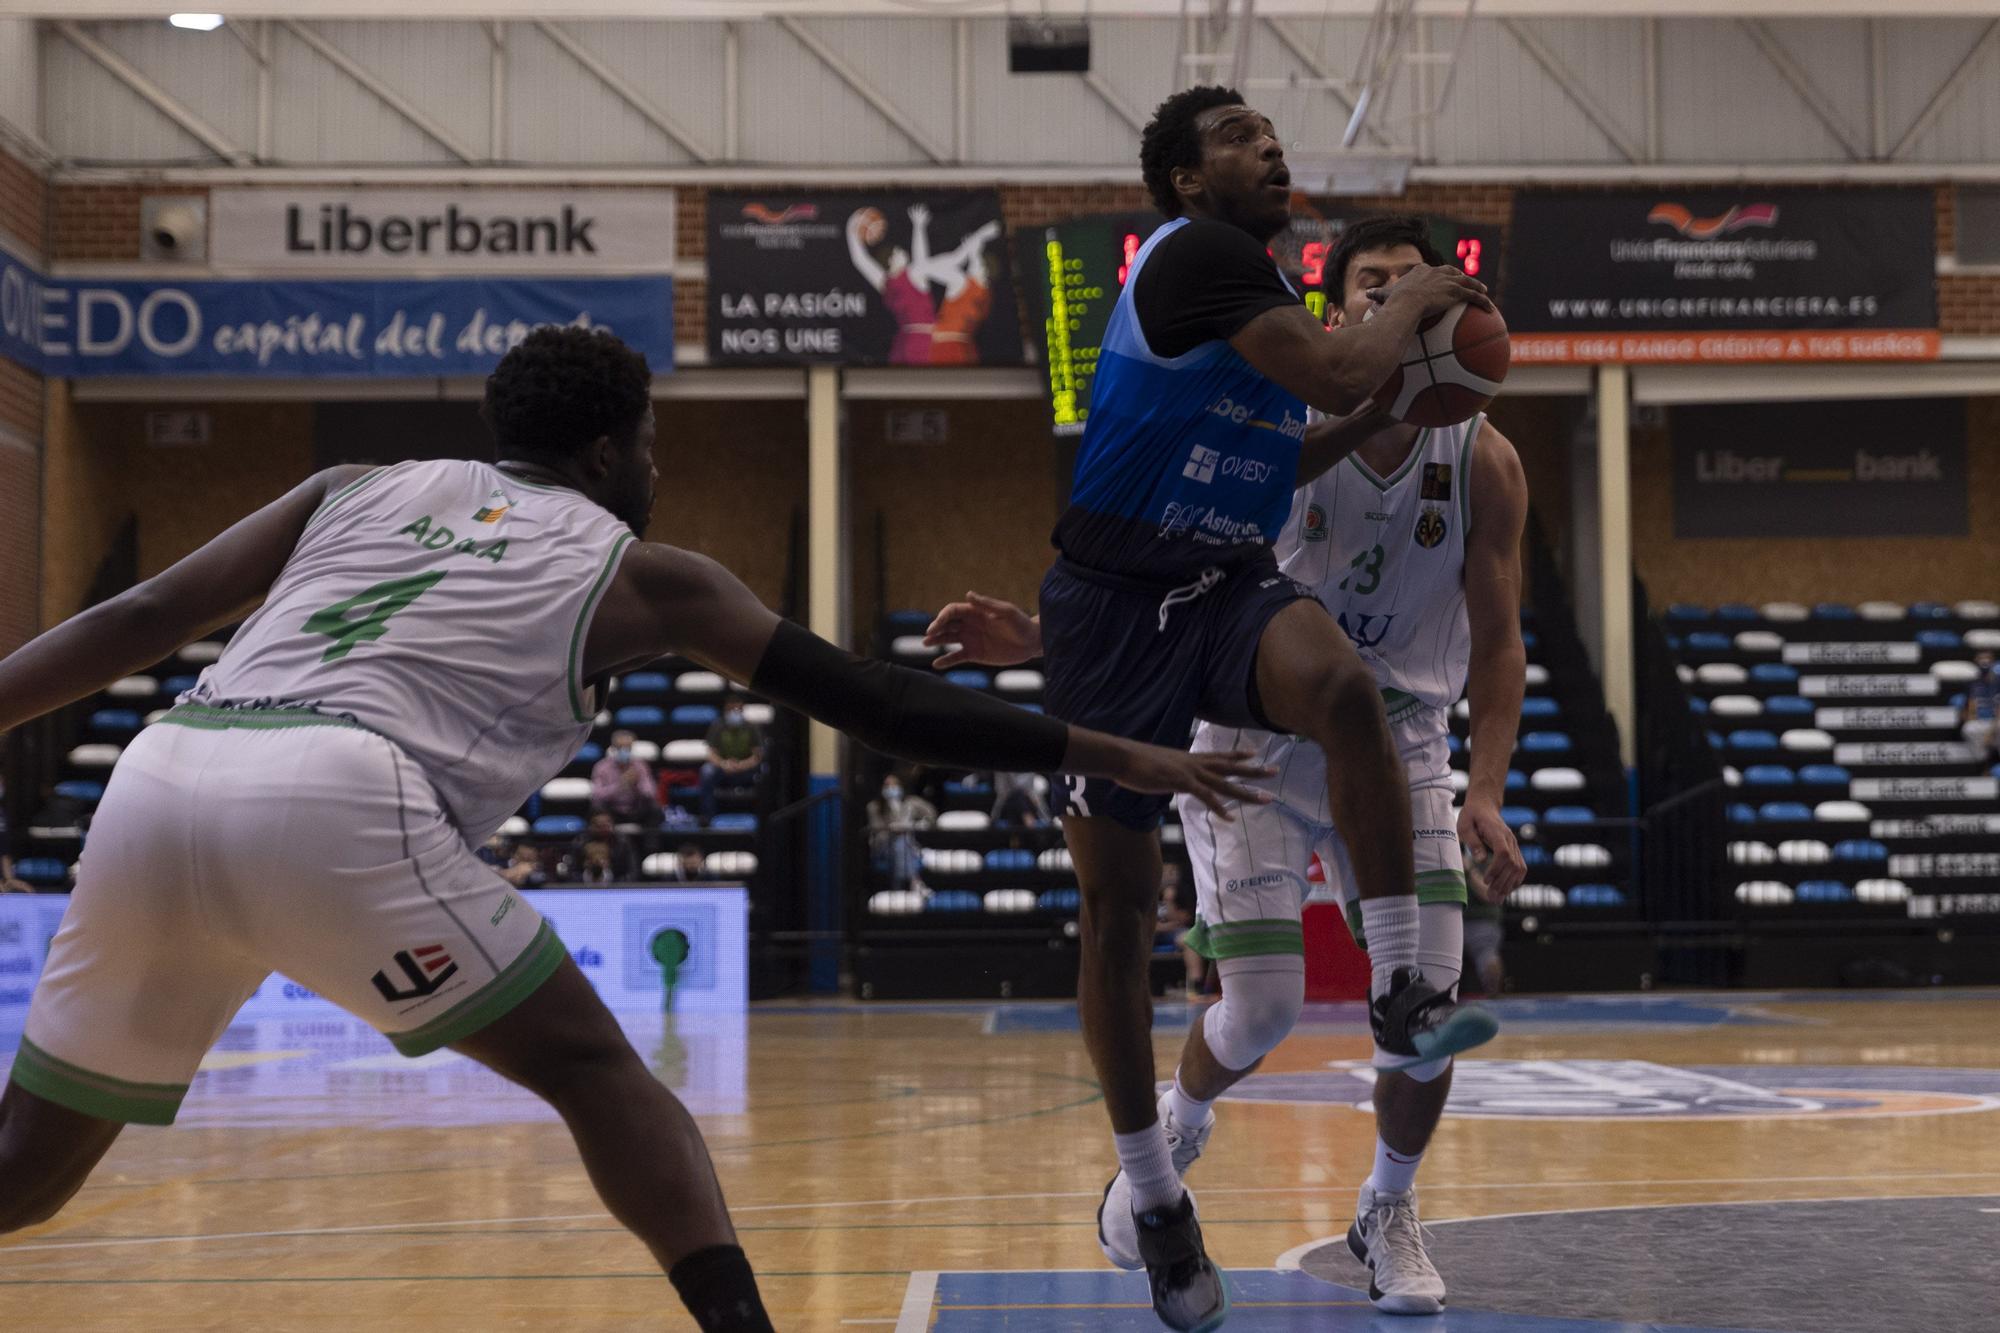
(732, 481)
(1812, 569)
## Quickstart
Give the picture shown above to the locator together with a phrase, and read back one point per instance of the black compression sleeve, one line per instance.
(902, 712)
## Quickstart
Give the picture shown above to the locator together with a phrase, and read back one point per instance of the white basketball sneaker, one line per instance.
(1117, 1234)
(1387, 1236)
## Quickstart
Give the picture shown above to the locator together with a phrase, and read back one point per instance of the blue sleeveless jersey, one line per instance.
(1186, 462)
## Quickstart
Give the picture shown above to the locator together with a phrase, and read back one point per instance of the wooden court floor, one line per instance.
(318, 1182)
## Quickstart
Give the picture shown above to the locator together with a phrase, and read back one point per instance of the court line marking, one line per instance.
(111, 1241)
(1288, 1262)
(918, 1298)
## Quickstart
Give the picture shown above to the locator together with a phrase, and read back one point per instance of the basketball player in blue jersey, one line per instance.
(1165, 606)
(311, 806)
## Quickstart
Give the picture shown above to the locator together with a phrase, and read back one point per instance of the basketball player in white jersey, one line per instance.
(428, 653)
(1413, 542)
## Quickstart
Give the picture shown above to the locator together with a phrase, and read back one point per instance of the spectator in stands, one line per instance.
(495, 852)
(525, 870)
(735, 754)
(1175, 921)
(1017, 801)
(8, 883)
(1484, 931)
(687, 863)
(1982, 711)
(602, 854)
(622, 785)
(894, 820)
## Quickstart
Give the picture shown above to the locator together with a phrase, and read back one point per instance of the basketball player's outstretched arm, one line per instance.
(1336, 369)
(218, 584)
(1496, 677)
(666, 600)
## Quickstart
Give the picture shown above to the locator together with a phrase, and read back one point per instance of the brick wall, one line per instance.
(23, 210)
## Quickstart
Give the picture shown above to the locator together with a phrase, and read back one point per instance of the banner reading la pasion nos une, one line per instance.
(1742, 274)
(66, 327)
(860, 279)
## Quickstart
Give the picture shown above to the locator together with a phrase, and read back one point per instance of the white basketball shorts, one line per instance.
(232, 844)
(1250, 872)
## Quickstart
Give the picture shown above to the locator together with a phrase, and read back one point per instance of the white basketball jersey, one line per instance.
(444, 606)
(1387, 557)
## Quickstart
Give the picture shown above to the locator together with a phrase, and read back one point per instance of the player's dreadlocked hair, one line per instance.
(563, 387)
(1170, 140)
(1381, 232)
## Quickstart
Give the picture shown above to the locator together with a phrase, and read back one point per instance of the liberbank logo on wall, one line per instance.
(68, 328)
(1712, 275)
(464, 231)
(1862, 468)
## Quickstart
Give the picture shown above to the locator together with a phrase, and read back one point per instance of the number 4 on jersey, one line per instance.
(376, 605)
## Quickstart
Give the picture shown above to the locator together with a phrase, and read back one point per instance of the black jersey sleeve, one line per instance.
(1204, 282)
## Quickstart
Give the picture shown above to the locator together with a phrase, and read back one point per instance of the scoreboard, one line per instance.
(1073, 271)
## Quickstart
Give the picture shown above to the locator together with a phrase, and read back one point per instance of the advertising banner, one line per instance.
(611, 933)
(359, 231)
(1859, 468)
(860, 279)
(73, 328)
(1723, 275)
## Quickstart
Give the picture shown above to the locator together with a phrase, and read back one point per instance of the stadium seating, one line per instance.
(1856, 723)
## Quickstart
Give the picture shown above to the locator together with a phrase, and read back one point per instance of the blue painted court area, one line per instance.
(1262, 1301)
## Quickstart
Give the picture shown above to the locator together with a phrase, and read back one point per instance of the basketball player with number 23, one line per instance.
(1413, 542)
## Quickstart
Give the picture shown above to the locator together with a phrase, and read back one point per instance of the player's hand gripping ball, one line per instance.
(1451, 368)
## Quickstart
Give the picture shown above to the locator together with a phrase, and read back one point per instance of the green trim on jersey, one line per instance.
(1247, 939)
(575, 670)
(365, 479)
(513, 480)
(515, 983)
(1416, 451)
(256, 719)
(1400, 704)
(1465, 478)
(96, 1094)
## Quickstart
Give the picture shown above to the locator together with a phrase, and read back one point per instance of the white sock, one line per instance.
(1391, 928)
(1150, 1167)
(1394, 1173)
(1190, 1112)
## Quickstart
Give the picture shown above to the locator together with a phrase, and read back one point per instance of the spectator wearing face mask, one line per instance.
(602, 854)
(622, 786)
(1980, 721)
(894, 821)
(735, 755)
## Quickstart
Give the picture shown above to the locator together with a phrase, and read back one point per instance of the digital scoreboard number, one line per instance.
(1073, 272)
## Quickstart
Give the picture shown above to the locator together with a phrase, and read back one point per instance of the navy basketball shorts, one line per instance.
(1145, 661)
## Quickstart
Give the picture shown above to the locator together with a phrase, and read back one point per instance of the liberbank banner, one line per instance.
(1743, 274)
(75, 327)
(1859, 468)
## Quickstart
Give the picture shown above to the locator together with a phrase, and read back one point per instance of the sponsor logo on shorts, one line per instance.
(506, 906)
(1430, 527)
(1257, 882)
(426, 967)
(1437, 834)
(1643, 1090)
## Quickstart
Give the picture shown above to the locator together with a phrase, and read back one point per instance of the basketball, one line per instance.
(873, 225)
(1451, 369)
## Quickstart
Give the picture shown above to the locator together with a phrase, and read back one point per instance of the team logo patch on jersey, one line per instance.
(1437, 482)
(1313, 529)
(489, 515)
(1430, 527)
